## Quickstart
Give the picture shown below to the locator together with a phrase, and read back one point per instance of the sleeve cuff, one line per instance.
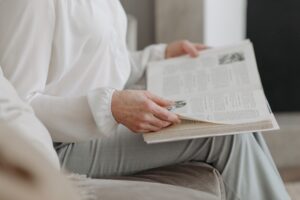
(158, 52)
(100, 103)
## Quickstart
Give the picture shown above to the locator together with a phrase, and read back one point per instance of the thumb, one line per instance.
(159, 101)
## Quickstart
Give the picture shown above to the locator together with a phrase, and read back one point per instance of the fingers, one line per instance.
(151, 124)
(157, 106)
(158, 100)
(183, 47)
(190, 48)
(154, 116)
(147, 128)
(141, 111)
(165, 115)
(200, 47)
(193, 49)
(158, 123)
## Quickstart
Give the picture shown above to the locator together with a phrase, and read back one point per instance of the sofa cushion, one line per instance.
(197, 176)
(137, 190)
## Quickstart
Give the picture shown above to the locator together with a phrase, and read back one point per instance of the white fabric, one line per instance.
(65, 56)
(17, 117)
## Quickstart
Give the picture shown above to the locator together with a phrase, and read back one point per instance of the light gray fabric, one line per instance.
(243, 160)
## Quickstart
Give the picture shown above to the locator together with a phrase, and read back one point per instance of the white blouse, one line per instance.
(66, 57)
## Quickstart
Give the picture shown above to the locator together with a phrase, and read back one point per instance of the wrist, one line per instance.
(167, 52)
(114, 104)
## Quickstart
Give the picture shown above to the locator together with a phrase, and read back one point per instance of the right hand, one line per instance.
(141, 111)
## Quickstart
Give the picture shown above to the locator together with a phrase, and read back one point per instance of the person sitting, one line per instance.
(69, 60)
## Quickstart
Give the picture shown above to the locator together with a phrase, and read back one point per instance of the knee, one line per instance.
(224, 148)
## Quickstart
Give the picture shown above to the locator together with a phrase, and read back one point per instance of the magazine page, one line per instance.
(222, 85)
(191, 130)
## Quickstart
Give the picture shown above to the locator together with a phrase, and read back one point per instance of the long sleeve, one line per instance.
(27, 30)
(16, 117)
(140, 59)
(73, 119)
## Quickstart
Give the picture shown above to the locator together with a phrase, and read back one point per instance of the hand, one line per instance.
(141, 111)
(183, 47)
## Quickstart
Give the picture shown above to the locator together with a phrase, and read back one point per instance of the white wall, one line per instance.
(224, 21)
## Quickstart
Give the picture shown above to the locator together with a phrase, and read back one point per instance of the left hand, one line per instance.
(180, 48)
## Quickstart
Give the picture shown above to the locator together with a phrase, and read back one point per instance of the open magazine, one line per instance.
(222, 91)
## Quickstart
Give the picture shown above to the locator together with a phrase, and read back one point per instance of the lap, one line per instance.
(126, 153)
